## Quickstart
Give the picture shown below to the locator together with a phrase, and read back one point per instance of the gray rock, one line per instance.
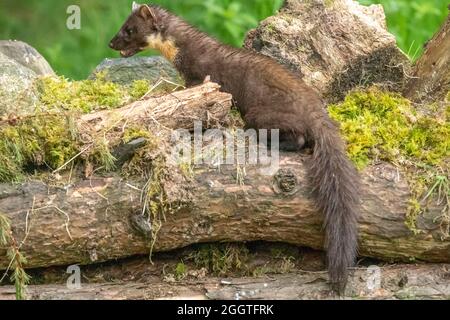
(26, 55)
(18, 93)
(125, 71)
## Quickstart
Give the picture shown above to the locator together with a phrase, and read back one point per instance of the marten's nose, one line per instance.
(112, 43)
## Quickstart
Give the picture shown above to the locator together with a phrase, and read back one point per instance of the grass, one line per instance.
(75, 53)
(413, 22)
(17, 261)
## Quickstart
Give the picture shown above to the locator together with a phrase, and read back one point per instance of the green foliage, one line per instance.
(75, 53)
(413, 22)
(18, 276)
(382, 125)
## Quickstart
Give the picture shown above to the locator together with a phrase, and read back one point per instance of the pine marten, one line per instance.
(269, 97)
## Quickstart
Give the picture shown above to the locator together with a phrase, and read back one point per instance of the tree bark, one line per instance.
(178, 110)
(431, 78)
(334, 46)
(99, 218)
(95, 219)
(390, 282)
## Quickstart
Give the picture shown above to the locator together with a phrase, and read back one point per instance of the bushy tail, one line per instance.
(335, 183)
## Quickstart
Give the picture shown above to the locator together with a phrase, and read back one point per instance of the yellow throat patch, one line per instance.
(166, 47)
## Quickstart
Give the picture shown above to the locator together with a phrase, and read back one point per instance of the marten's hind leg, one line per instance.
(291, 142)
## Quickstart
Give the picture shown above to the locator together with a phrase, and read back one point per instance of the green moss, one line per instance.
(379, 125)
(49, 138)
(46, 140)
(155, 201)
(426, 186)
(102, 155)
(180, 271)
(270, 28)
(413, 212)
(85, 96)
(382, 125)
(50, 141)
(221, 259)
(90, 95)
(428, 141)
(132, 133)
(139, 88)
(187, 169)
(447, 113)
(282, 265)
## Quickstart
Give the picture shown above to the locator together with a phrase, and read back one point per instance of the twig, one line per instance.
(64, 213)
(73, 158)
(92, 187)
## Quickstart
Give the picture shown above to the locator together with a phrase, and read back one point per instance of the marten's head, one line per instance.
(142, 30)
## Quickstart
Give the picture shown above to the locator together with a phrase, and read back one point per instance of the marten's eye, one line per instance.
(129, 31)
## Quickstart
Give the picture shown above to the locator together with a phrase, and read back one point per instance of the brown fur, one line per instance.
(167, 47)
(268, 97)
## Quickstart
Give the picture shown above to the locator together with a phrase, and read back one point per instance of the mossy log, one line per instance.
(334, 45)
(99, 218)
(204, 103)
(95, 219)
(431, 78)
(390, 282)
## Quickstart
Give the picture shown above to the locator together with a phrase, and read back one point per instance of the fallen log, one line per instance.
(178, 110)
(388, 282)
(101, 217)
(430, 80)
(95, 219)
(334, 46)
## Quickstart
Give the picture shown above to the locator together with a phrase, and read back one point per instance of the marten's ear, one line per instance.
(135, 6)
(146, 12)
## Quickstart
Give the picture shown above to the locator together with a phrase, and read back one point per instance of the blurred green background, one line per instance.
(74, 53)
